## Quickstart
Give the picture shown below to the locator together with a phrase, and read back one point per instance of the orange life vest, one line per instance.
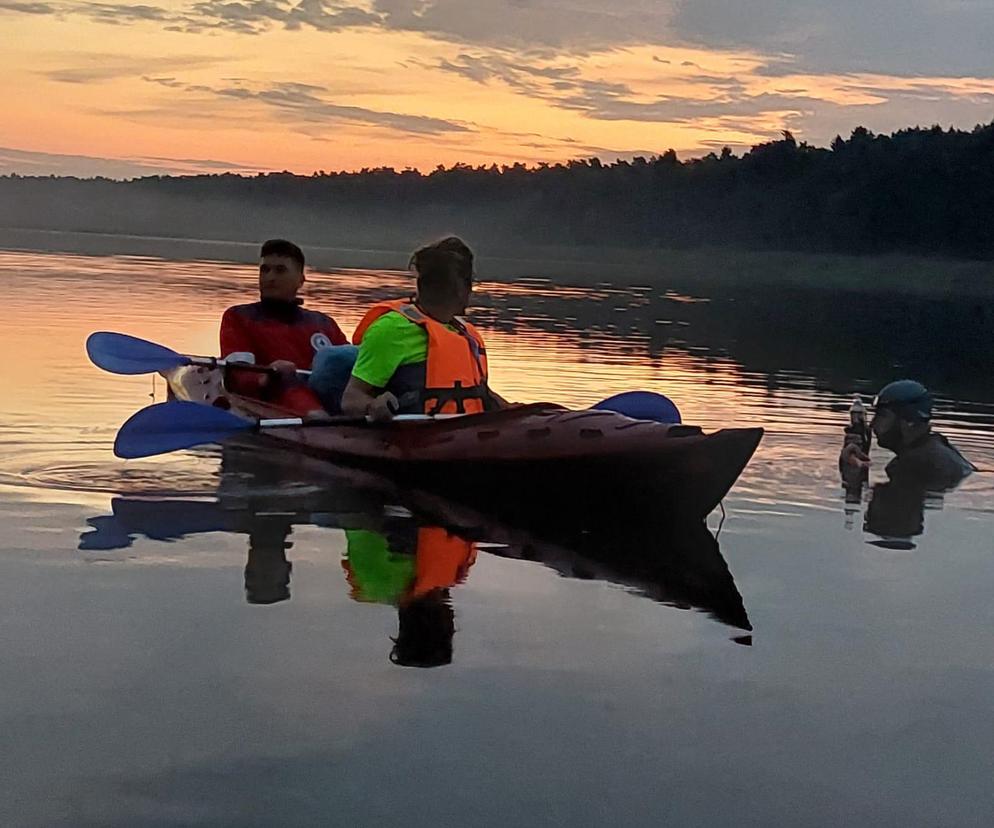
(456, 371)
(442, 560)
(383, 574)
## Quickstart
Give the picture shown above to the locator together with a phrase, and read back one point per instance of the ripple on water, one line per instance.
(185, 475)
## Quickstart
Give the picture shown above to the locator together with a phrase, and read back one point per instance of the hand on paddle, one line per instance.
(383, 408)
(282, 370)
(124, 354)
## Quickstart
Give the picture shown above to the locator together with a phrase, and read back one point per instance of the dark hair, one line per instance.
(426, 627)
(267, 571)
(437, 263)
(282, 247)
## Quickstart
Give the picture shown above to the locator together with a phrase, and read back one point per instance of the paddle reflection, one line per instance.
(410, 549)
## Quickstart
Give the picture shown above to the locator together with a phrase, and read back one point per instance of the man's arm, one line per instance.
(236, 341)
(361, 399)
(236, 345)
(378, 359)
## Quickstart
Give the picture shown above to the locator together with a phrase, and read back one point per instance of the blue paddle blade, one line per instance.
(170, 426)
(642, 405)
(123, 354)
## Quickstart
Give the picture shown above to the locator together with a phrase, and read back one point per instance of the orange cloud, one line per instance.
(323, 85)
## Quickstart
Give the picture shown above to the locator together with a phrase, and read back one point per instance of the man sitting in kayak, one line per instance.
(419, 356)
(276, 331)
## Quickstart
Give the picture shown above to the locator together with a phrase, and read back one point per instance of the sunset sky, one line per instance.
(119, 89)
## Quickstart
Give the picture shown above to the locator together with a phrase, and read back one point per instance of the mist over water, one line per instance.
(189, 639)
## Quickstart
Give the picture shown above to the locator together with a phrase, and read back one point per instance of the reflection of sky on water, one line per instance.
(140, 687)
(565, 344)
(146, 690)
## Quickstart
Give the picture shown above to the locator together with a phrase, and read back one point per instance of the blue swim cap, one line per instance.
(908, 399)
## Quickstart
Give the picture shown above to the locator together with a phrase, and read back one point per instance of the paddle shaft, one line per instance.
(179, 424)
(126, 354)
(290, 422)
(214, 362)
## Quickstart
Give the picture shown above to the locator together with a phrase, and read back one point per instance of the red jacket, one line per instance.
(266, 331)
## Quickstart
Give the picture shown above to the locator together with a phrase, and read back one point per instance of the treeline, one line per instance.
(919, 191)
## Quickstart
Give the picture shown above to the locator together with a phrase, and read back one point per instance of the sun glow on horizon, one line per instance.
(97, 94)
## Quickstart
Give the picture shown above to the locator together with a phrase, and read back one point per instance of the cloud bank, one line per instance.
(26, 162)
(582, 74)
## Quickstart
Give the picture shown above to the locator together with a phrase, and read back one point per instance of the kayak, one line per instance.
(537, 460)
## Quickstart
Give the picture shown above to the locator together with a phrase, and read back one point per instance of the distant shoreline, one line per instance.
(577, 265)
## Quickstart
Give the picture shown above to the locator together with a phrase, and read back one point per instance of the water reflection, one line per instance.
(152, 687)
(739, 358)
(410, 549)
(894, 512)
(728, 354)
(267, 570)
(895, 508)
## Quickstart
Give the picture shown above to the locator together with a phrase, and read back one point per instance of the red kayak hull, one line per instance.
(539, 459)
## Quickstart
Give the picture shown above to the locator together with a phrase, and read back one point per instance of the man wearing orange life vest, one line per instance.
(418, 356)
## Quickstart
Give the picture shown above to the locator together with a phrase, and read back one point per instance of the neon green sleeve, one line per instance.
(377, 573)
(391, 341)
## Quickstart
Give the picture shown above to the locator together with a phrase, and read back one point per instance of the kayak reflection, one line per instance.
(409, 549)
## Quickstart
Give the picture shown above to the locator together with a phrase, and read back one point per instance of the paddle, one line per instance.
(177, 424)
(123, 354)
(174, 425)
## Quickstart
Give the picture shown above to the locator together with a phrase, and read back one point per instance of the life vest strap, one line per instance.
(411, 312)
(475, 346)
(457, 394)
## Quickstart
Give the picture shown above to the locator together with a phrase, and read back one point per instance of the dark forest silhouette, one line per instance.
(917, 191)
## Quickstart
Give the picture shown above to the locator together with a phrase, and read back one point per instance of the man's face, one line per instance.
(280, 277)
(464, 291)
(890, 429)
(883, 421)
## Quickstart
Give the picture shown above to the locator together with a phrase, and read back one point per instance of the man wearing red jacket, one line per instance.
(276, 331)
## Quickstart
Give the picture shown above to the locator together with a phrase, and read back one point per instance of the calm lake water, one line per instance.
(206, 638)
